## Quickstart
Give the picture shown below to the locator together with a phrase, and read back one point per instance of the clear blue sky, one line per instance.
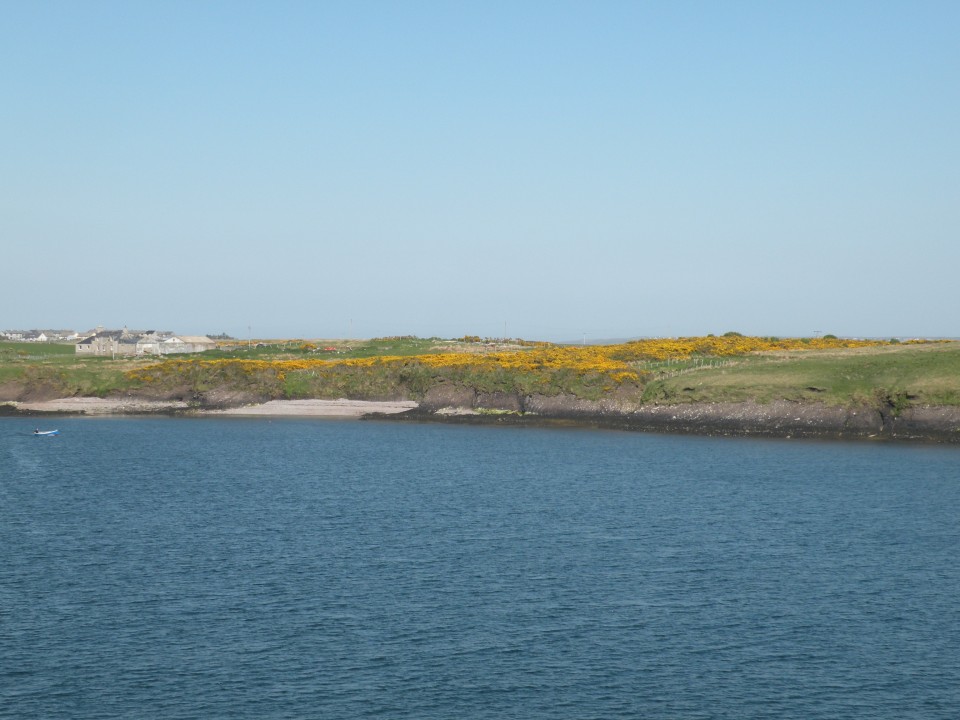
(561, 169)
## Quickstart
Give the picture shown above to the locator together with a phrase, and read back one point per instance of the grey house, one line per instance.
(123, 342)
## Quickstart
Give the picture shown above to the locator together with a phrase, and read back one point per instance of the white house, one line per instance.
(186, 344)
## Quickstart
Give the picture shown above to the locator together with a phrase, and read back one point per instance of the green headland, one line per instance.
(732, 384)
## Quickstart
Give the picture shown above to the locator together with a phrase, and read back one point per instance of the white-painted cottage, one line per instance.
(186, 344)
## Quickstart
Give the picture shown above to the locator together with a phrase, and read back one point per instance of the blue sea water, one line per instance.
(235, 568)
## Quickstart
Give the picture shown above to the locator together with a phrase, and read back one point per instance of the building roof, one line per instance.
(118, 335)
(196, 339)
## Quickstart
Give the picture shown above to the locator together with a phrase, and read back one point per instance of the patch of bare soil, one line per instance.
(18, 392)
(220, 398)
(10, 391)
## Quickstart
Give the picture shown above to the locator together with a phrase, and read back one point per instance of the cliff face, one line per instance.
(775, 419)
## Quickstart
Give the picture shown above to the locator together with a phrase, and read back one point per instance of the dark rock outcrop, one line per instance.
(925, 423)
(507, 402)
(780, 418)
(447, 395)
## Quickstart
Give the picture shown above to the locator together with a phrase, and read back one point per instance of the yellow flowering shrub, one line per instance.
(539, 366)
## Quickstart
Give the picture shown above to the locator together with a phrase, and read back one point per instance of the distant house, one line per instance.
(151, 342)
(48, 335)
(147, 342)
(108, 342)
(60, 335)
(39, 335)
(186, 344)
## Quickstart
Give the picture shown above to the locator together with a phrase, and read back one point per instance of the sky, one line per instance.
(546, 170)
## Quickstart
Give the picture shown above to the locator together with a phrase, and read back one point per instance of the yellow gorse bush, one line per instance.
(725, 346)
(617, 363)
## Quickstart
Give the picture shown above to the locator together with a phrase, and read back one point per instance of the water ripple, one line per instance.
(291, 569)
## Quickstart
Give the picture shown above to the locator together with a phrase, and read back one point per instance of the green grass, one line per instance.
(378, 382)
(928, 374)
(336, 349)
(57, 366)
(16, 358)
(24, 351)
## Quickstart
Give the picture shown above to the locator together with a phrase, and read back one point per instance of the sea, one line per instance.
(316, 568)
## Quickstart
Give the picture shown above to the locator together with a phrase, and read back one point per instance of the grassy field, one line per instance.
(899, 374)
(55, 368)
(665, 371)
(337, 349)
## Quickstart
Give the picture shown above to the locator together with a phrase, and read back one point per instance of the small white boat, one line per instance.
(47, 433)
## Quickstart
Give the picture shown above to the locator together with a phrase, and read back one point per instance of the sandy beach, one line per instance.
(100, 406)
(292, 408)
(318, 408)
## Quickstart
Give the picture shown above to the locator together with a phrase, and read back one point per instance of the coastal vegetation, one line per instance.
(585, 371)
(901, 375)
(726, 368)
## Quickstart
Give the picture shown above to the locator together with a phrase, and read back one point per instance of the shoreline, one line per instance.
(318, 408)
(778, 419)
(273, 408)
(904, 432)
